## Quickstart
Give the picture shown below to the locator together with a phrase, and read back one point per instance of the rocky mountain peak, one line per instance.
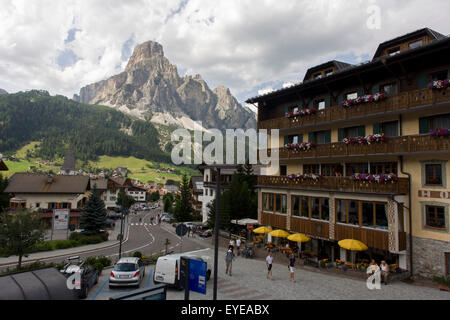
(3, 91)
(150, 88)
(145, 51)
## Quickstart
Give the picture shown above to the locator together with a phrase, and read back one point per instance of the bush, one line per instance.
(152, 259)
(106, 262)
(442, 280)
(137, 254)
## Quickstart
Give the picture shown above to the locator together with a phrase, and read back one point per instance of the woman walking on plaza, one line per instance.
(269, 262)
(291, 266)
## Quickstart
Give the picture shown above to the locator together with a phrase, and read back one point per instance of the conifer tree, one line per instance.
(93, 216)
(183, 208)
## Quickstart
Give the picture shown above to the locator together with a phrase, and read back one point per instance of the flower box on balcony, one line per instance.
(300, 113)
(364, 99)
(439, 84)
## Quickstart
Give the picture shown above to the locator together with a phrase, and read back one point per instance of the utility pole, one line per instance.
(121, 226)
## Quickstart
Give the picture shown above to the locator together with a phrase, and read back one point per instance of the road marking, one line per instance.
(98, 292)
(149, 278)
(246, 293)
(259, 297)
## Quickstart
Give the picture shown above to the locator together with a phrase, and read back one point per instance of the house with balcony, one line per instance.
(364, 154)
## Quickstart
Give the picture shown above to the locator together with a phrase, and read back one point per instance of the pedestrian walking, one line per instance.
(269, 262)
(238, 246)
(229, 261)
(291, 266)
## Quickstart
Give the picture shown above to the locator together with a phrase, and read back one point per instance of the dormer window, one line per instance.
(416, 44)
(393, 51)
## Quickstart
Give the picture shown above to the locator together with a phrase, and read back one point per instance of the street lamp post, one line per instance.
(216, 233)
(121, 225)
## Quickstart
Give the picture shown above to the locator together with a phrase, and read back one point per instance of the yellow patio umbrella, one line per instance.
(352, 245)
(279, 234)
(299, 237)
(262, 230)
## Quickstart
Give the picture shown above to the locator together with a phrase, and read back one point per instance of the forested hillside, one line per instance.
(57, 122)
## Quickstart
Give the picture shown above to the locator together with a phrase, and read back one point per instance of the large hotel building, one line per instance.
(365, 155)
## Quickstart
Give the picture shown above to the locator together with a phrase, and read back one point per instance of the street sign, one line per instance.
(197, 276)
(61, 219)
(181, 230)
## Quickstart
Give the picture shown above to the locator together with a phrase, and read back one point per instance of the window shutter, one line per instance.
(361, 131)
(424, 125)
(328, 136)
(341, 134)
(311, 137)
(422, 81)
(286, 140)
(376, 128)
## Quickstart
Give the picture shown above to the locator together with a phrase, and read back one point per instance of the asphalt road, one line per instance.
(142, 236)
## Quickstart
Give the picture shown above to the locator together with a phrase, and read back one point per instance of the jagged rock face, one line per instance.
(3, 91)
(150, 86)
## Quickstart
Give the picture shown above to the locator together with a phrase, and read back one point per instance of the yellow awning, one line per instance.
(262, 230)
(298, 237)
(279, 234)
(353, 245)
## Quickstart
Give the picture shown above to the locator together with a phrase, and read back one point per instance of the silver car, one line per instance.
(127, 272)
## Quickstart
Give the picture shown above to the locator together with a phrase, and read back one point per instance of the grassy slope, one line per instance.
(138, 167)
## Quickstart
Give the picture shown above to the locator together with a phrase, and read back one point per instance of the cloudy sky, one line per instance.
(250, 46)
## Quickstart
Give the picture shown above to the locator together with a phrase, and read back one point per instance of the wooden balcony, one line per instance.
(394, 104)
(394, 146)
(309, 227)
(274, 220)
(372, 238)
(343, 184)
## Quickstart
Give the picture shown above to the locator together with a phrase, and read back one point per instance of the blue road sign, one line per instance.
(197, 276)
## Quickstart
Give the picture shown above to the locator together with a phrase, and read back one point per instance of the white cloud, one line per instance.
(243, 44)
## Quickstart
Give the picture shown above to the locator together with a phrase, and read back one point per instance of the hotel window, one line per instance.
(441, 75)
(329, 72)
(295, 206)
(305, 207)
(268, 202)
(315, 208)
(280, 203)
(332, 170)
(353, 212)
(383, 167)
(389, 88)
(433, 123)
(433, 174)
(447, 264)
(324, 209)
(435, 217)
(311, 169)
(320, 104)
(390, 129)
(367, 214)
(393, 51)
(52, 205)
(351, 95)
(65, 205)
(38, 205)
(341, 211)
(358, 131)
(320, 137)
(415, 44)
(381, 219)
(352, 168)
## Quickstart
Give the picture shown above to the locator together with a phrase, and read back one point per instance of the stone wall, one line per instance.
(429, 257)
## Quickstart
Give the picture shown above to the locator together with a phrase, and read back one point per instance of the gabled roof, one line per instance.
(101, 183)
(42, 183)
(339, 65)
(409, 36)
(122, 181)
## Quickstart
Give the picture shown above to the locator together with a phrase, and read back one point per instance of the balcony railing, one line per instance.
(344, 184)
(399, 102)
(395, 145)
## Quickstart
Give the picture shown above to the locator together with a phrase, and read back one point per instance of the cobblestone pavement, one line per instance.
(249, 282)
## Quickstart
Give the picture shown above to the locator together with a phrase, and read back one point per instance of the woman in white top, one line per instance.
(269, 262)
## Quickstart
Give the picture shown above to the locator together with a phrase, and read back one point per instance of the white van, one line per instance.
(167, 268)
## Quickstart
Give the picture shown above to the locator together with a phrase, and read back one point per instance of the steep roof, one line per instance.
(409, 36)
(339, 65)
(3, 166)
(42, 183)
(101, 183)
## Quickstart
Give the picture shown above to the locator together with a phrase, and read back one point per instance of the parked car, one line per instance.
(167, 268)
(109, 224)
(127, 272)
(206, 234)
(88, 275)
